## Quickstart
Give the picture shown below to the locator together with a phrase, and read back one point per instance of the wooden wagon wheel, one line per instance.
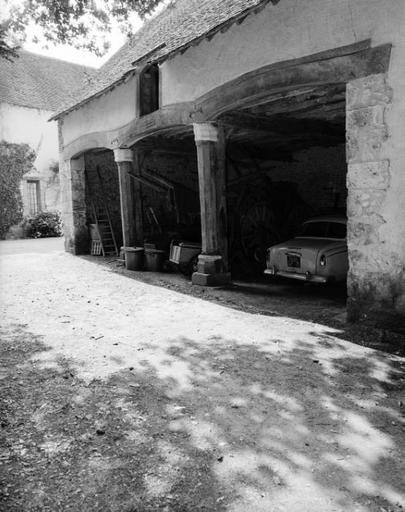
(258, 231)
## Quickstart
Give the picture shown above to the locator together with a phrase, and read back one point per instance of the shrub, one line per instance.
(15, 161)
(43, 225)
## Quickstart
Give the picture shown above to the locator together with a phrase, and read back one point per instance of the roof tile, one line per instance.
(40, 82)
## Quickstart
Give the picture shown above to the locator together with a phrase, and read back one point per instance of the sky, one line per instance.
(65, 52)
(68, 53)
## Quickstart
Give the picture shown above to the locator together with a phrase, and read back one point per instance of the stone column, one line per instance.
(376, 279)
(73, 193)
(212, 263)
(130, 234)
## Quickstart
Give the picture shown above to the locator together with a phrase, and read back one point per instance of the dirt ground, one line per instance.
(120, 395)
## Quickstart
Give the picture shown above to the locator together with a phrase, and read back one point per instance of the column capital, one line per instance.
(207, 132)
(123, 155)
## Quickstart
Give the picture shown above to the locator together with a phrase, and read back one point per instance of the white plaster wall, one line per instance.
(30, 126)
(288, 30)
(110, 111)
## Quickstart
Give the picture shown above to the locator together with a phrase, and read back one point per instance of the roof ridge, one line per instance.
(61, 61)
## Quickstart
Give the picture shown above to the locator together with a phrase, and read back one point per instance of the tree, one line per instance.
(15, 161)
(74, 22)
(6, 50)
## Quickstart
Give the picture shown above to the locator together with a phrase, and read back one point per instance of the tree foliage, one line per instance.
(15, 161)
(74, 22)
(7, 51)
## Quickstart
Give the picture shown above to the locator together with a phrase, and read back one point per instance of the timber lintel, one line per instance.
(336, 66)
(282, 126)
(340, 65)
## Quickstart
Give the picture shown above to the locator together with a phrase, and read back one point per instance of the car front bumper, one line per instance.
(311, 278)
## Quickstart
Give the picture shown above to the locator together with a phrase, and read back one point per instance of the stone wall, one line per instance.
(73, 187)
(102, 188)
(376, 278)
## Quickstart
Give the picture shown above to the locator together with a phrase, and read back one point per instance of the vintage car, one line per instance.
(317, 254)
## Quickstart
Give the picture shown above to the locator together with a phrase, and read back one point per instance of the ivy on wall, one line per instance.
(15, 161)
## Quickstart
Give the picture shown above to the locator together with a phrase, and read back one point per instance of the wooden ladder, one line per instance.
(107, 244)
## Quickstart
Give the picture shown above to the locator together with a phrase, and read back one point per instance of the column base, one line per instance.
(210, 271)
(220, 279)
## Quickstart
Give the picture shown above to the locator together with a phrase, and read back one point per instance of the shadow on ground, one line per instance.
(242, 428)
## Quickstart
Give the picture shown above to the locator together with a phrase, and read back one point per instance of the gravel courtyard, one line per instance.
(118, 395)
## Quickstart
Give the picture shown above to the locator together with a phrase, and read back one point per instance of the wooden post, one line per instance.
(137, 188)
(124, 158)
(212, 263)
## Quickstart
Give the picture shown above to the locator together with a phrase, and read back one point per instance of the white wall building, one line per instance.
(31, 89)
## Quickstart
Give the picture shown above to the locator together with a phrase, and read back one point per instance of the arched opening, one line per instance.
(285, 165)
(165, 172)
(102, 199)
(149, 90)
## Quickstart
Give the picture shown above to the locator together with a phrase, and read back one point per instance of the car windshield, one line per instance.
(323, 229)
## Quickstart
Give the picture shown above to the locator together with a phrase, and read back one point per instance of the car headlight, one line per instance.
(322, 260)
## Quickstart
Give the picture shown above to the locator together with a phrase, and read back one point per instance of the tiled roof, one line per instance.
(40, 82)
(174, 29)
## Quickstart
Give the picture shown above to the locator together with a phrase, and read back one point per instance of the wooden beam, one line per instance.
(297, 101)
(281, 125)
(138, 200)
(337, 66)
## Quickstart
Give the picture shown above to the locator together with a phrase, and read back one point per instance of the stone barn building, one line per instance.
(234, 121)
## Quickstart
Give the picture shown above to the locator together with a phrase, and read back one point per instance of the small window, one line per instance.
(34, 197)
(323, 229)
(314, 229)
(149, 90)
(337, 230)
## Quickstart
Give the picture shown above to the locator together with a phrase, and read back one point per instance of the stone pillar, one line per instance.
(131, 214)
(212, 263)
(73, 193)
(376, 206)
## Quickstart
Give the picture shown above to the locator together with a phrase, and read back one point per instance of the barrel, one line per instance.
(134, 258)
(154, 260)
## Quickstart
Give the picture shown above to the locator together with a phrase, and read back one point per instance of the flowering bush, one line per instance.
(43, 225)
